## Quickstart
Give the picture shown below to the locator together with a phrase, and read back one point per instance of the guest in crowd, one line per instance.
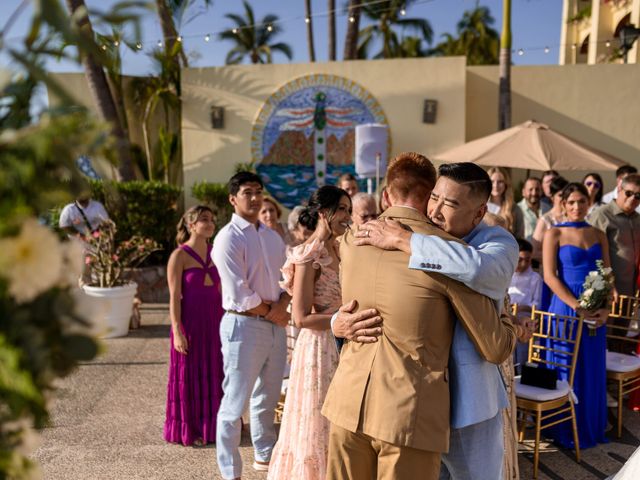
(254, 347)
(501, 201)
(530, 206)
(348, 183)
(570, 251)
(195, 308)
(593, 182)
(311, 277)
(526, 292)
(621, 173)
(553, 216)
(621, 222)
(546, 202)
(298, 233)
(270, 215)
(457, 205)
(364, 208)
(82, 217)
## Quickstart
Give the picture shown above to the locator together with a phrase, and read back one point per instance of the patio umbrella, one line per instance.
(531, 145)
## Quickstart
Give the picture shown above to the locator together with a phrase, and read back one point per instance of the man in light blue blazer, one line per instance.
(486, 264)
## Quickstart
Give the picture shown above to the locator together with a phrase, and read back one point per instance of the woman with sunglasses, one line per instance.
(594, 185)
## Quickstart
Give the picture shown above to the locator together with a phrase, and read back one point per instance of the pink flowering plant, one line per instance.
(110, 261)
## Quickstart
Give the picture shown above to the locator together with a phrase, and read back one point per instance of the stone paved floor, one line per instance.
(107, 423)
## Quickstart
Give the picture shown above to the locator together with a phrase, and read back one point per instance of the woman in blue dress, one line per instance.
(569, 253)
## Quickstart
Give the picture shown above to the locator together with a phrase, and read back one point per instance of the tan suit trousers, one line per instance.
(356, 456)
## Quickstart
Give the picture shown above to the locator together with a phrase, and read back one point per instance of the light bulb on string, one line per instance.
(104, 47)
(403, 12)
(116, 43)
(179, 38)
(307, 19)
(608, 43)
(207, 37)
(573, 46)
(352, 19)
(269, 28)
(546, 49)
(234, 31)
(138, 46)
(159, 43)
(520, 52)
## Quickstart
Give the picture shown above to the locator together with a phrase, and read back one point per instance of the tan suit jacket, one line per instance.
(396, 389)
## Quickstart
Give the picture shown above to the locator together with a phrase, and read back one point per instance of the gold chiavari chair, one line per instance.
(624, 369)
(550, 407)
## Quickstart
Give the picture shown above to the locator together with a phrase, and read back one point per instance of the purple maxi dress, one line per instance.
(194, 389)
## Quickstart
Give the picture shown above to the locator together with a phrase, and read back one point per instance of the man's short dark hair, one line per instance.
(469, 174)
(550, 172)
(240, 179)
(626, 170)
(524, 245)
(346, 177)
(532, 179)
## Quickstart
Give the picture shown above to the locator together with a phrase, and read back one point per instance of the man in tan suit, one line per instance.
(389, 401)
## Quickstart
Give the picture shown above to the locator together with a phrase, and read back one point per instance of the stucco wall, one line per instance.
(596, 104)
(400, 86)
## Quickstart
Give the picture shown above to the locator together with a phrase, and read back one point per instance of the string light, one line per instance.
(546, 49)
(608, 43)
(403, 12)
(352, 19)
(520, 51)
(573, 46)
(179, 38)
(104, 47)
(159, 43)
(207, 37)
(307, 19)
(116, 44)
(235, 31)
(269, 28)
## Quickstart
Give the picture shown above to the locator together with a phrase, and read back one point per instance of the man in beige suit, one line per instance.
(389, 401)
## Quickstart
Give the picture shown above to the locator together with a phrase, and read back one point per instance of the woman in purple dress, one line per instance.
(194, 390)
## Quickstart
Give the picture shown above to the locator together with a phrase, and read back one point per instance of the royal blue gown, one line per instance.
(590, 381)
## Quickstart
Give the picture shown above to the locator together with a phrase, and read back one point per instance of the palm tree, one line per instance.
(99, 87)
(386, 15)
(476, 39)
(252, 38)
(353, 26)
(504, 101)
(309, 20)
(332, 29)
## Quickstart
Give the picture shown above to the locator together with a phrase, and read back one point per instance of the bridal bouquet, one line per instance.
(596, 290)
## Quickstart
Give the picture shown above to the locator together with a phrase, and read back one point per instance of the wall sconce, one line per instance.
(217, 117)
(429, 112)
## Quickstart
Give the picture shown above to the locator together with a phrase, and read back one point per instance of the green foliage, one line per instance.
(252, 38)
(143, 209)
(215, 195)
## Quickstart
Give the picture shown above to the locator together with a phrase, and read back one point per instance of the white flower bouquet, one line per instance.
(596, 291)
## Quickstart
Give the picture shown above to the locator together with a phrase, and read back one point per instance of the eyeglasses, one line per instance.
(628, 193)
(589, 183)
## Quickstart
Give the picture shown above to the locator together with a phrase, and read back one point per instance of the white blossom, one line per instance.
(598, 284)
(31, 261)
(593, 273)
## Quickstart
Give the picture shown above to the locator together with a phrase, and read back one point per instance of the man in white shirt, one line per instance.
(621, 173)
(249, 256)
(530, 206)
(525, 291)
(82, 217)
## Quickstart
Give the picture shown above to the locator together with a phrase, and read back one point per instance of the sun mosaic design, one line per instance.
(304, 135)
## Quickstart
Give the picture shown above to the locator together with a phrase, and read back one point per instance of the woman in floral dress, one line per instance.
(311, 277)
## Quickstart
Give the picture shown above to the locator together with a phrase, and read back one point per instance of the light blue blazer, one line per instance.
(485, 265)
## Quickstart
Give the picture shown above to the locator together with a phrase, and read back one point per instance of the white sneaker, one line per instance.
(611, 402)
(260, 466)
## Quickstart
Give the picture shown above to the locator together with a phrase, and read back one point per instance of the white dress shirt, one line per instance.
(71, 216)
(249, 262)
(526, 288)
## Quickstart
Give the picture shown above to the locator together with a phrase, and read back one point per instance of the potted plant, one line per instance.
(109, 262)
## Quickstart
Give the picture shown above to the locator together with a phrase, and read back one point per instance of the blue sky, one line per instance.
(535, 25)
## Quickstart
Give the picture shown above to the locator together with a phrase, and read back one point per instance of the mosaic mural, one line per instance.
(304, 135)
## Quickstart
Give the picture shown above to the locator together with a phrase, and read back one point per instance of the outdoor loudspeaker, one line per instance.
(371, 139)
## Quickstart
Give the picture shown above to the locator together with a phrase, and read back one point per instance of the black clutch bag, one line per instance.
(539, 376)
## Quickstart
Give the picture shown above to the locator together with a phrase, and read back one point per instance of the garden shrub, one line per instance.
(216, 196)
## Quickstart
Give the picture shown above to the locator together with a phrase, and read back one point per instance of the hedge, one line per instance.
(216, 196)
(146, 208)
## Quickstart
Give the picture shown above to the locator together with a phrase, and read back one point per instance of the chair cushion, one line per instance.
(621, 363)
(541, 394)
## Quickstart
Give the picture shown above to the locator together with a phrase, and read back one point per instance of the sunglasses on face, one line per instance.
(628, 193)
(589, 183)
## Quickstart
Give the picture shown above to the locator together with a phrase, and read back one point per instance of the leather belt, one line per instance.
(246, 314)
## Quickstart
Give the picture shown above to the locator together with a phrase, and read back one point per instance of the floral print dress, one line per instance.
(301, 451)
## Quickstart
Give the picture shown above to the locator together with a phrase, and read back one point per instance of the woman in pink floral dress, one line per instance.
(311, 277)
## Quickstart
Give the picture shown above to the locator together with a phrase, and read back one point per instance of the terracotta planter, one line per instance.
(117, 304)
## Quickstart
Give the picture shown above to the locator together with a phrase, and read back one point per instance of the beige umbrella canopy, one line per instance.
(531, 145)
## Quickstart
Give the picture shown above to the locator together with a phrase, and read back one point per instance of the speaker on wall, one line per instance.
(372, 139)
